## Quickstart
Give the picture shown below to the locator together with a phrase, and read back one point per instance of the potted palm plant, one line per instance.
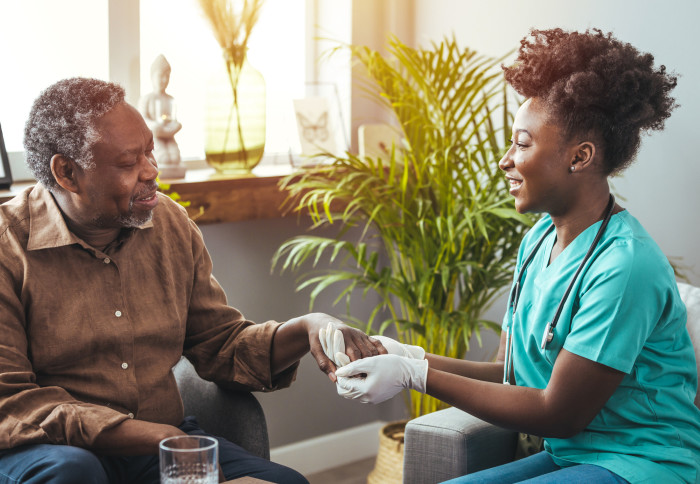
(438, 231)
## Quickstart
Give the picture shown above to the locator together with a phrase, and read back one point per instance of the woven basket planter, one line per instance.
(388, 469)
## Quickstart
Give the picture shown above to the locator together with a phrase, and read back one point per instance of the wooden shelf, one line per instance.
(232, 199)
(224, 199)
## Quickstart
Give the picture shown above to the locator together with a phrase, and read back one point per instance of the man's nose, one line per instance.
(150, 168)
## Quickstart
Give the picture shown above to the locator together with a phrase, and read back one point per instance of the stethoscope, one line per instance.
(548, 334)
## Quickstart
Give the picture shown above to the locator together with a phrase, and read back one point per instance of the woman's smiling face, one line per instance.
(538, 161)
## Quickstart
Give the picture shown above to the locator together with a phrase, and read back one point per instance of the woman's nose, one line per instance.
(506, 162)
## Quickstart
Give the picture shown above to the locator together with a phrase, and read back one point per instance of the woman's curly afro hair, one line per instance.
(597, 86)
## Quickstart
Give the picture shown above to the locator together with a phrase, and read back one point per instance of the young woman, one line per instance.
(595, 355)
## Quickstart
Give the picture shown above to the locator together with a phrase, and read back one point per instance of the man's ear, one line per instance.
(63, 169)
(584, 154)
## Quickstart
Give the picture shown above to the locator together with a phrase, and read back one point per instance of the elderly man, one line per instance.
(104, 284)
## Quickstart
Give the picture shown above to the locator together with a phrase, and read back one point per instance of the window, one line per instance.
(47, 45)
(41, 45)
(179, 31)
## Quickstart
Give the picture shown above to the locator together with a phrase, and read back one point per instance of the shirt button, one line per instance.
(125, 365)
(106, 260)
(131, 415)
(118, 314)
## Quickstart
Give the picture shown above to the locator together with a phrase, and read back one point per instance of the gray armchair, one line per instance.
(236, 416)
(451, 443)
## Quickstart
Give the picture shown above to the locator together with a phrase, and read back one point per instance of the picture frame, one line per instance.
(5, 174)
(316, 133)
(319, 125)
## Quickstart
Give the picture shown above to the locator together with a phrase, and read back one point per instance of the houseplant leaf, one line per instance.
(438, 230)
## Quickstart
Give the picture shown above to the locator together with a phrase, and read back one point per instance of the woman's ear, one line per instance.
(584, 154)
(63, 169)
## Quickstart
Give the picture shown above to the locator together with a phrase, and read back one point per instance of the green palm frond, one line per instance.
(438, 230)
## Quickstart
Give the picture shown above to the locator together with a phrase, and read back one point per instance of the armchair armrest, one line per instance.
(236, 416)
(451, 443)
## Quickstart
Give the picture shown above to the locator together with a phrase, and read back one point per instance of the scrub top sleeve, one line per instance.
(619, 303)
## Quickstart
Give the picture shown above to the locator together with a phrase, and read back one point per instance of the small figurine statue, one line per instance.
(158, 110)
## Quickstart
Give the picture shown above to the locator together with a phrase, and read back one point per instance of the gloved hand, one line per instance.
(393, 347)
(333, 344)
(378, 378)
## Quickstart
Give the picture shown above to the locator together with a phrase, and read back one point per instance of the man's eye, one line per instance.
(128, 162)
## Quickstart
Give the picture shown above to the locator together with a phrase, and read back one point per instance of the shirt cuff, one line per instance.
(253, 358)
(79, 424)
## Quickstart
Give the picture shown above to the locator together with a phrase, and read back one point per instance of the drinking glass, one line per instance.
(189, 459)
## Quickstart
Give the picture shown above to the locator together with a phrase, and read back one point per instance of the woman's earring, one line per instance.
(572, 168)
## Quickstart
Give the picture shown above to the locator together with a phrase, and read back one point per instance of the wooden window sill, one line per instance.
(224, 199)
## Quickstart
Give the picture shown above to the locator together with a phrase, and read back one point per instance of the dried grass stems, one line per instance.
(232, 22)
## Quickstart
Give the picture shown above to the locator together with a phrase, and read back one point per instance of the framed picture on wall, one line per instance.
(5, 175)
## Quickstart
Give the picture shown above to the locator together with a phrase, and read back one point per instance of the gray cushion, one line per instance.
(236, 416)
(451, 443)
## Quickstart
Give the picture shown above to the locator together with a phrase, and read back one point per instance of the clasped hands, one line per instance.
(376, 378)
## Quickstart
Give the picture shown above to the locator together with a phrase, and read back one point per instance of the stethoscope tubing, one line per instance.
(515, 292)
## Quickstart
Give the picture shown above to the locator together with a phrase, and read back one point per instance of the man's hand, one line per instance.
(334, 344)
(374, 380)
(300, 335)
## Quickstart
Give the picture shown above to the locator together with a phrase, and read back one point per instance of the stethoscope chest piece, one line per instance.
(547, 336)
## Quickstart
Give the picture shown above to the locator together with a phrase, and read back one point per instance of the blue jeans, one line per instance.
(64, 464)
(540, 469)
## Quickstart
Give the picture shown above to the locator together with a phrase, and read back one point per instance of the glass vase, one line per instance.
(235, 118)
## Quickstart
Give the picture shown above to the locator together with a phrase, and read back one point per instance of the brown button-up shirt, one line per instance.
(88, 337)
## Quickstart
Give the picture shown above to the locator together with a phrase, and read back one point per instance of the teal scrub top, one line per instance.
(624, 311)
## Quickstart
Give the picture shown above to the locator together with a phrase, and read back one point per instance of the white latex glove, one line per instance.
(333, 345)
(393, 347)
(384, 376)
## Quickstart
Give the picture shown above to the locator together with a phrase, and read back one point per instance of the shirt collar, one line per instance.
(47, 228)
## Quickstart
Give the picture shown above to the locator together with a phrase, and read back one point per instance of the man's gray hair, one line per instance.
(62, 121)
